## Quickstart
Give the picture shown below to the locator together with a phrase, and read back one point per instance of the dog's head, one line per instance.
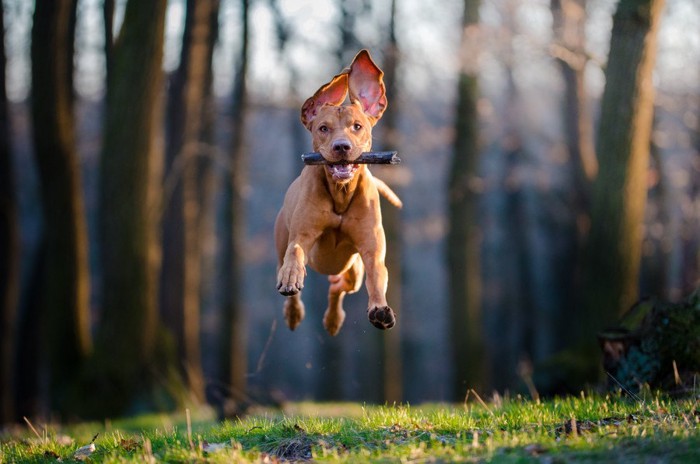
(341, 133)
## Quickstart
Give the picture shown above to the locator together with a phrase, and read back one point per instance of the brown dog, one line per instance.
(330, 218)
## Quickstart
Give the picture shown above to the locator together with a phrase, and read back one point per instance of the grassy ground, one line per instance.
(583, 429)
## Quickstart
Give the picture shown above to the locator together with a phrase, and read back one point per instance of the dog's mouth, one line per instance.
(342, 172)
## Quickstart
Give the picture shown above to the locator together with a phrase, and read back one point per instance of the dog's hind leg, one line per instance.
(341, 284)
(293, 310)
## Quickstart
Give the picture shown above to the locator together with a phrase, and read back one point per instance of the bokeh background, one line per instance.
(143, 165)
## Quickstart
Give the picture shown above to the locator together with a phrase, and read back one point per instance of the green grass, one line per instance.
(581, 429)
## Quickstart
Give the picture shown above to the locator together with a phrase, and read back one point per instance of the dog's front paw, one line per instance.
(290, 279)
(382, 318)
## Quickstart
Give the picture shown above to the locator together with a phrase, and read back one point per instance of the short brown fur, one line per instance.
(330, 218)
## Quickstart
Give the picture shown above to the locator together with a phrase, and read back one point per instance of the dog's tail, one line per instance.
(387, 193)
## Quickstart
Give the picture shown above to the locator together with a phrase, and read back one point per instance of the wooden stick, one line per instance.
(370, 157)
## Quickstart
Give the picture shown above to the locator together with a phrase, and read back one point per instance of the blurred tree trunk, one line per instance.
(181, 270)
(27, 397)
(208, 181)
(234, 357)
(350, 14)
(130, 196)
(511, 312)
(694, 254)
(284, 29)
(466, 340)
(613, 250)
(9, 250)
(569, 49)
(108, 20)
(691, 243)
(655, 267)
(66, 288)
(392, 360)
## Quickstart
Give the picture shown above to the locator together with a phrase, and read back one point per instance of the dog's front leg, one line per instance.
(290, 277)
(372, 250)
(305, 226)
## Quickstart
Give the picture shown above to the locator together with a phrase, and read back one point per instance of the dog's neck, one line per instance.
(343, 193)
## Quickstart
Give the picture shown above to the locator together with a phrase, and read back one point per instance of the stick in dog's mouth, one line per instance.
(370, 157)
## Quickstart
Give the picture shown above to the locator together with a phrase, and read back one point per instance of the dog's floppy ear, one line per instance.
(366, 85)
(333, 93)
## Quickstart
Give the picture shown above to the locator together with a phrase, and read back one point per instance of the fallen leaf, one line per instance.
(84, 452)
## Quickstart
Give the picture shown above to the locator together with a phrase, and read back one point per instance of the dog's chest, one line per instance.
(332, 238)
(331, 252)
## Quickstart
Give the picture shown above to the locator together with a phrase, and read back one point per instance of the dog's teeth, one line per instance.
(343, 171)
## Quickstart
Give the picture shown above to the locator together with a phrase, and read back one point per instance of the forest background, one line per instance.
(550, 179)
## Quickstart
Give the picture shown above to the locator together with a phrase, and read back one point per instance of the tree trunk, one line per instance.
(234, 338)
(462, 251)
(569, 49)
(108, 20)
(181, 271)
(690, 245)
(130, 196)
(209, 185)
(27, 398)
(349, 43)
(613, 251)
(65, 293)
(392, 377)
(9, 250)
(569, 24)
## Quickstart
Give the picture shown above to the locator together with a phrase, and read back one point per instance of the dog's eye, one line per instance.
(323, 128)
(357, 126)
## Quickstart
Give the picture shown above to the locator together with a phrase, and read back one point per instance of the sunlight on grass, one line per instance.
(503, 430)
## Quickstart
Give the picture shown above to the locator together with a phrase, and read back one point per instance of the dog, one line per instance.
(330, 218)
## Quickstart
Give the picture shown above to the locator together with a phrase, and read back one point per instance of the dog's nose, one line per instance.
(341, 147)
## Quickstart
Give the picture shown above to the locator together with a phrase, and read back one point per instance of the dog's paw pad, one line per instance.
(288, 290)
(382, 318)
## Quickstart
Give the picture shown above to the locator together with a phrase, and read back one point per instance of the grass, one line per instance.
(572, 429)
